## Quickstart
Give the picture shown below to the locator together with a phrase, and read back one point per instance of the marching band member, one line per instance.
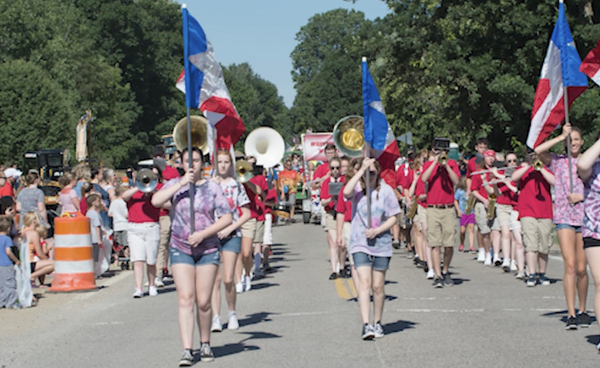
(507, 191)
(568, 218)
(441, 219)
(231, 244)
(517, 249)
(194, 256)
(343, 210)
(371, 248)
(418, 190)
(588, 167)
(480, 146)
(402, 173)
(479, 190)
(535, 210)
(328, 201)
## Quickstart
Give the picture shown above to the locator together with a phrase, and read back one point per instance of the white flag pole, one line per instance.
(566, 102)
(189, 141)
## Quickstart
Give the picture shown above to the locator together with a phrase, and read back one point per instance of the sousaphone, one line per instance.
(349, 136)
(199, 130)
(266, 145)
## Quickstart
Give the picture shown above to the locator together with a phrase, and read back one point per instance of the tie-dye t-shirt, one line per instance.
(236, 197)
(383, 206)
(564, 213)
(210, 204)
(591, 204)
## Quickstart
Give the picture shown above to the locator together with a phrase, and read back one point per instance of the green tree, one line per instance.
(256, 100)
(464, 69)
(326, 68)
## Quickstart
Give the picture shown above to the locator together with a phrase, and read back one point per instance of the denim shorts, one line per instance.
(567, 226)
(376, 263)
(178, 257)
(233, 244)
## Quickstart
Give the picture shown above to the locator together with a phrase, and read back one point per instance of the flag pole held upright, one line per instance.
(367, 153)
(188, 103)
(566, 99)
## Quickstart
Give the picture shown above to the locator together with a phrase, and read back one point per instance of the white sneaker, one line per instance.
(488, 260)
(216, 324)
(152, 291)
(497, 260)
(430, 274)
(506, 265)
(158, 282)
(239, 288)
(233, 323)
(146, 284)
(513, 265)
(248, 284)
(481, 255)
(138, 294)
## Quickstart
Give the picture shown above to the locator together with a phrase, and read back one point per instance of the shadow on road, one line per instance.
(459, 281)
(255, 318)
(263, 285)
(230, 349)
(398, 326)
(593, 339)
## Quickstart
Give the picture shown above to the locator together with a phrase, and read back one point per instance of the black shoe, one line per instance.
(343, 273)
(571, 323)
(438, 283)
(396, 244)
(333, 276)
(206, 354)
(583, 320)
(426, 268)
(416, 261)
(267, 268)
(447, 279)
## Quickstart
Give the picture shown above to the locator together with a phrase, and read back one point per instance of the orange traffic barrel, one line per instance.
(73, 254)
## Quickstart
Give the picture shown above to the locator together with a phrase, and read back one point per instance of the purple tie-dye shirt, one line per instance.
(564, 213)
(383, 206)
(210, 204)
(591, 204)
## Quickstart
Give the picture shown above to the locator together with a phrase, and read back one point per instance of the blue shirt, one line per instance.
(461, 196)
(5, 242)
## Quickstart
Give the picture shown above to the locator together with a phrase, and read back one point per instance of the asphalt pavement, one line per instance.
(296, 317)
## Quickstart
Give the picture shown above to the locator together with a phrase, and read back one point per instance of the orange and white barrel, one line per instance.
(73, 254)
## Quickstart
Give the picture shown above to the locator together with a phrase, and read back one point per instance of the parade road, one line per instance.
(296, 317)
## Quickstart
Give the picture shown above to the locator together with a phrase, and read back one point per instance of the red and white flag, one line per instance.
(207, 89)
(559, 72)
(591, 64)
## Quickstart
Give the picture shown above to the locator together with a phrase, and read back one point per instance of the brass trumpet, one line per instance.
(412, 211)
(243, 171)
(538, 165)
(443, 159)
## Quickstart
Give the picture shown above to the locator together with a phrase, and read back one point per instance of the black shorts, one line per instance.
(589, 242)
(32, 266)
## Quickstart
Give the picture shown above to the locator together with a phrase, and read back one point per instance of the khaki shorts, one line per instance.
(422, 215)
(400, 216)
(330, 223)
(259, 234)
(484, 225)
(515, 224)
(537, 234)
(346, 237)
(503, 212)
(441, 227)
(249, 228)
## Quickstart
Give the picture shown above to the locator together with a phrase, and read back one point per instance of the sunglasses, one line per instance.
(372, 172)
(335, 167)
(511, 161)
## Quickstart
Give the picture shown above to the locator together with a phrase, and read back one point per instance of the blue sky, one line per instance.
(262, 32)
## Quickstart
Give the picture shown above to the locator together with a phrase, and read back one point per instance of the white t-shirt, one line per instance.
(118, 211)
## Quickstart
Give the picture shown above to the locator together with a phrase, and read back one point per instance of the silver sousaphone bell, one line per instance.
(146, 180)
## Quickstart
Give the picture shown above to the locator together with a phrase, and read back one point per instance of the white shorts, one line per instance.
(515, 224)
(268, 235)
(143, 240)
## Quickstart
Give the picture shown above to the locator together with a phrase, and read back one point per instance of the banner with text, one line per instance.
(314, 145)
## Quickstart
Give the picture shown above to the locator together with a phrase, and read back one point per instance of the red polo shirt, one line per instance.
(257, 206)
(441, 189)
(535, 199)
(141, 209)
(344, 205)
(325, 192)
